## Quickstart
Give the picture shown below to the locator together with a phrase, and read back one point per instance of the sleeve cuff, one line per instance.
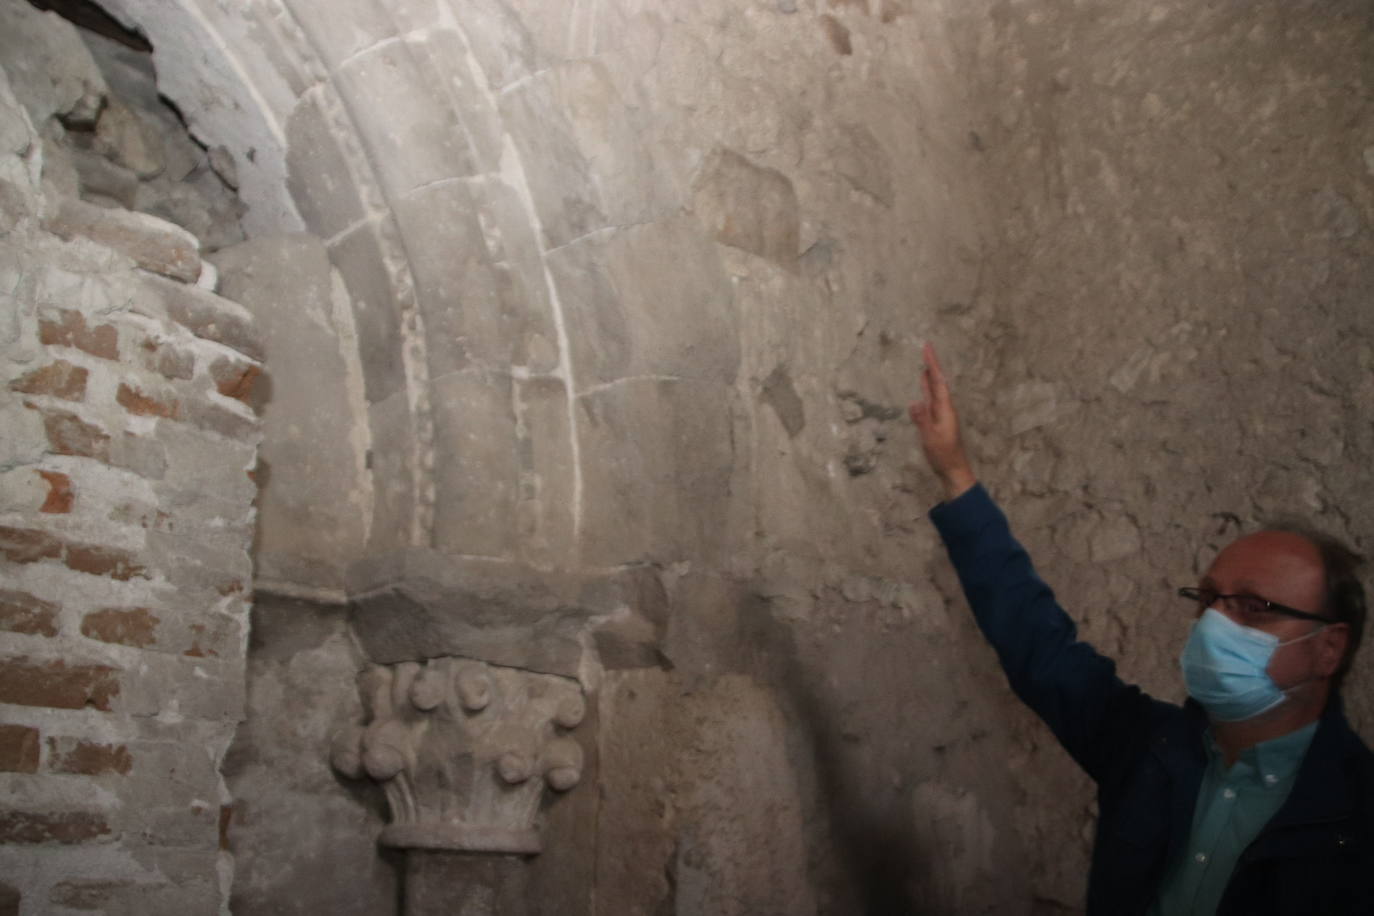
(966, 514)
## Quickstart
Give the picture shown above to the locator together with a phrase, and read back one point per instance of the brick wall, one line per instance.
(126, 517)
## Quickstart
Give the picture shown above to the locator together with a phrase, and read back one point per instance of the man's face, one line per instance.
(1284, 568)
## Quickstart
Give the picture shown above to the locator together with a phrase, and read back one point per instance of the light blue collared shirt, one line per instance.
(1233, 805)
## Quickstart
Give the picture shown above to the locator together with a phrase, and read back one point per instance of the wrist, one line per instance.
(958, 482)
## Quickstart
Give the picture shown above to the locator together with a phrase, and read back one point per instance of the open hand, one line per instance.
(937, 422)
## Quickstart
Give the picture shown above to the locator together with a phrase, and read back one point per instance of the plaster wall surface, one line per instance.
(637, 292)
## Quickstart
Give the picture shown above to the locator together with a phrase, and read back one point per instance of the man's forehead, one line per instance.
(1269, 556)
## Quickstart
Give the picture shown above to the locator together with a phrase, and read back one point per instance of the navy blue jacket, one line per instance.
(1316, 856)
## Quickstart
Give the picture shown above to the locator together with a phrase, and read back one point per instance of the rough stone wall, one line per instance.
(125, 521)
(1172, 342)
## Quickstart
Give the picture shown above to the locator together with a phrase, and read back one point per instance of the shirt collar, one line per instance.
(1270, 763)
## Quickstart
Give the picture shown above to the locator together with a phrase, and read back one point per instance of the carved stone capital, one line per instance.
(464, 750)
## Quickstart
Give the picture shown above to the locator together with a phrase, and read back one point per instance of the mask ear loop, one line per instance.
(1288, 691)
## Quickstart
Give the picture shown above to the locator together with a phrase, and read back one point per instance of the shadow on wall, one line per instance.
(878, 849)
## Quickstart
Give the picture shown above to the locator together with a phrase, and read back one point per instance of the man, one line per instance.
(1255, 796)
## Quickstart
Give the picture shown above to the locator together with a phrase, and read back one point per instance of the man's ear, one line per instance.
(1331, 645)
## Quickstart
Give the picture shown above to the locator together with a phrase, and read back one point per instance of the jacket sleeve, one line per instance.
(1067, 683)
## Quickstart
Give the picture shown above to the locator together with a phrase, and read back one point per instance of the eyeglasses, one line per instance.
(1248, 604)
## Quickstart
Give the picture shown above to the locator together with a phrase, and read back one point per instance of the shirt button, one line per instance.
(1200, 858)
(1270, 779)
(1229, 793)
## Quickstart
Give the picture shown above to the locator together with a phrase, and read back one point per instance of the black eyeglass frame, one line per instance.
(1273, 607)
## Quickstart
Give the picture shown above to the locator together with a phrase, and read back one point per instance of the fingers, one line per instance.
(933, 365)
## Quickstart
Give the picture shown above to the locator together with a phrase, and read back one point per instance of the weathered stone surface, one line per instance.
(656, 458)
(439, 735)
(152, 243)
(477, 487)
(555, 167)
(391, 458)
(47, 63)
(648, 301)
(203, 314)
(362, 262)
(748, 206)
(127, 140)
(406, 122)
(314, 498)
(318, 168)
(547, 508)
(477, 279)
(420, 603)
(278, 773)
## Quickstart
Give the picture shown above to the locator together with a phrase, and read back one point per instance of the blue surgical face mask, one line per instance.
(1225, 665)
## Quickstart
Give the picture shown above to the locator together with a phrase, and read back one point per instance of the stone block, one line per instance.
(153, 244)
(477, 482)
(447, 61)
(419, 603)
(26, 436)
(547, 505)
(649, 300)
(361, 260)
(392, 460)
(479, 308)
(318, 173)
(129, 140)
(207, 470)
(98, 175)
(203, 313)
(405, 121)
(555, 166)
(48, 66)
(206, 689)
(314, 496)
(748, 206)
(339, 31)
(629, 184)
(657, 457)
(500, 41)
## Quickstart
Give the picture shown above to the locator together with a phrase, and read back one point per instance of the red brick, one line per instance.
(143, 405)
(88, 758)
(28, 545)
(18, 749)
(68, 434)
(135, 626)
(56, 685)
(234, 379)
(65, 827)
(60, 495)
(21, 612)
(103, 561)
(60, 379)
(70, 330)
